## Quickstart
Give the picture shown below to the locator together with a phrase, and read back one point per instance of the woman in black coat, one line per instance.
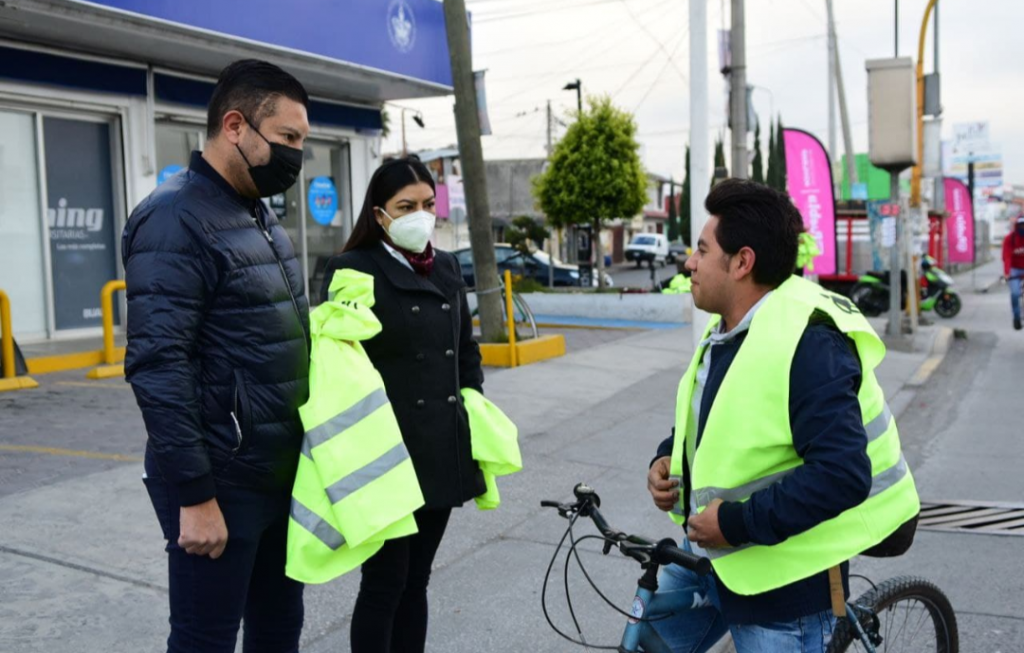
(426, 354)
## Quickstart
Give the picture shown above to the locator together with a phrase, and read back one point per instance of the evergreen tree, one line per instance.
(684, 202)
(758, 165)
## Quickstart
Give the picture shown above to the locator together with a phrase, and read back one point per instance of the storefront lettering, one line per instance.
(73, 223)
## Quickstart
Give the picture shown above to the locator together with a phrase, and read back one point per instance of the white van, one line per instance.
(648, 248)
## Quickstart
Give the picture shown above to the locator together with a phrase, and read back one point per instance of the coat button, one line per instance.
(452, 399)
(415, 309)
(420, 356)
(421, 403)
(450, 354)
(446, 307)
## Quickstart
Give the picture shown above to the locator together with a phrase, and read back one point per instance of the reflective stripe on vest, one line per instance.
(316, 525)
(368, 474)
(343, 421)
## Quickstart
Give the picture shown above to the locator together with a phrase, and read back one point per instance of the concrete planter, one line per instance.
(651, 308)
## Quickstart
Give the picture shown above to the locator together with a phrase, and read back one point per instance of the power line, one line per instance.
(660, 73)
(661, 46)
(491, 18)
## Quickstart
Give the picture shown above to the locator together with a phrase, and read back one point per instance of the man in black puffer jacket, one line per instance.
(218, 357)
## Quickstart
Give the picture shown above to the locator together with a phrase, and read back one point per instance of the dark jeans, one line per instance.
(391, 612)
(209, 598)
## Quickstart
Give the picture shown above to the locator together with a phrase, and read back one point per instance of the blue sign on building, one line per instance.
(167, 173)
(323, 200)
(406, 37)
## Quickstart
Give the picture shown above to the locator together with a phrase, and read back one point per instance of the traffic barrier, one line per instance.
(8, 376)
(112, 367)
(523, 352)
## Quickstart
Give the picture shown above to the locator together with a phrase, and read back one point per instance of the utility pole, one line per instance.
(896, 30)
(700, 152)
(738, 94)
(551, 229)
(833, 152)
(844, 114)
(467, 124)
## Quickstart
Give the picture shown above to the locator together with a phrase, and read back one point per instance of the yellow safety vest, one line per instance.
(679, 285)
(355, 487)
(495, 442)
(747, 444)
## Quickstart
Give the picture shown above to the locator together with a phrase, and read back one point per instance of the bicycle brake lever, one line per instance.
(608, 544)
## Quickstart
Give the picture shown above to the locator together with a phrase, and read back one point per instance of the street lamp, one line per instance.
(578, 87)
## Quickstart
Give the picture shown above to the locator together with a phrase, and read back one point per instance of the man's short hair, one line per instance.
(761, 218)
(251, 87)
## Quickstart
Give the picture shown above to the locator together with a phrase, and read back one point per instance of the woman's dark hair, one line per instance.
(761, 218)
(251, 87)
(390, 178)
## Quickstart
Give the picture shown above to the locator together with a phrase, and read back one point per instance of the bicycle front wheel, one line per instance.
(912, 615)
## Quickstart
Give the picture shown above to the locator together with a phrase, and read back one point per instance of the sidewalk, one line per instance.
(82, 566)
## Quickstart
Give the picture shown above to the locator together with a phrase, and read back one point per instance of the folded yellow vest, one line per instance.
(495, 444)
(355, 487)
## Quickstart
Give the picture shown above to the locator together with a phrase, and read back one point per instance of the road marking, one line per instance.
(54, 451)
(94, 384)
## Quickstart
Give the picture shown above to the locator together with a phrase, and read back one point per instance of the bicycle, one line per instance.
(873, 623)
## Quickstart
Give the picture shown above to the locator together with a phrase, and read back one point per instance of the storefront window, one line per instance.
(174, 146)
(22, 267)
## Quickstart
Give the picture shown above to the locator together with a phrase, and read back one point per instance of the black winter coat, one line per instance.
(218, 345)
(426, 354)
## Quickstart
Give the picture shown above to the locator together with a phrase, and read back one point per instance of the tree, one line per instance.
(595, 174)
(673, 214)
(758, 165)
(777, 158)
(772, 161)
(684, 202)
(525, 231)
(385, 123)
(720, 166)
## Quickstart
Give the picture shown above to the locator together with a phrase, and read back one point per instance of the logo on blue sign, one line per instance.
(323, 200)
(401, 25)
(167, 173)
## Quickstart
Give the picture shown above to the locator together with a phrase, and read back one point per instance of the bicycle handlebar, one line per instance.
(641, 549)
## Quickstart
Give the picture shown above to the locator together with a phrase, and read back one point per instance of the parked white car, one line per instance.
(648, 248)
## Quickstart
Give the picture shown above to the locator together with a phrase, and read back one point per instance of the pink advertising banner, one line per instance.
(809, 182)
(960, 226)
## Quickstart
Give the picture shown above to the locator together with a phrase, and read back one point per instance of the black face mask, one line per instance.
(280, 173)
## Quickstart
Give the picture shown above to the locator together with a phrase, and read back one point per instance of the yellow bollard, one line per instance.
(8, 380)
(111, 369)
(510, 313)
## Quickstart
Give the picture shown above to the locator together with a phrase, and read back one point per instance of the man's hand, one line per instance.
(703, 528)
(664, 491)
(203, 531)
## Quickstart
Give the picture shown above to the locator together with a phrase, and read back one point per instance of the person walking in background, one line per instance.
(1013, 266)
(218, 359)
(426, 356)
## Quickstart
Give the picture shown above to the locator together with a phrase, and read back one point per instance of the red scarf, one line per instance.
(422, 264)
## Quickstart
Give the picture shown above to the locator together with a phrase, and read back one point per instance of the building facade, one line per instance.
(102, 101)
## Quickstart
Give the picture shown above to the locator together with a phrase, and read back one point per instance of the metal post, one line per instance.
(851, 169)
(895, 254)
(6, 337)
(738, 94)
(467, 125)
(700, 152)
(511, 317)
(896, 29)
(833, 152)
(974, 220)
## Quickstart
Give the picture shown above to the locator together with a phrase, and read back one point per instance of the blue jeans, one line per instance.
(698, 624)
(1015, 284)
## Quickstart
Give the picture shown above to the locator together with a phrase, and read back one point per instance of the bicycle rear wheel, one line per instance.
(912, 615)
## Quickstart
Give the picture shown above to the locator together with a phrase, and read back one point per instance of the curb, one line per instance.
(940, 347)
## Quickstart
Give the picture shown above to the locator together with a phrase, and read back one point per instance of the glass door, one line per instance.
(174, 146)
(22, 260)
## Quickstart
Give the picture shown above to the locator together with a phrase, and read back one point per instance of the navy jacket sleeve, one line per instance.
(828, 433)
(471, 371)
(169, 279)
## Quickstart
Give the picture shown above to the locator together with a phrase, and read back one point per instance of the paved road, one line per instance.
(82, 568)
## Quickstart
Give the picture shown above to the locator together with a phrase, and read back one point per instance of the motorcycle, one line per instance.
(938, 292)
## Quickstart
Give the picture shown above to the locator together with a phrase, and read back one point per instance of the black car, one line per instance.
(677, 252)
(533, 266)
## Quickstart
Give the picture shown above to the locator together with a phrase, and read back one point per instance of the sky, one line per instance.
(637, 52)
